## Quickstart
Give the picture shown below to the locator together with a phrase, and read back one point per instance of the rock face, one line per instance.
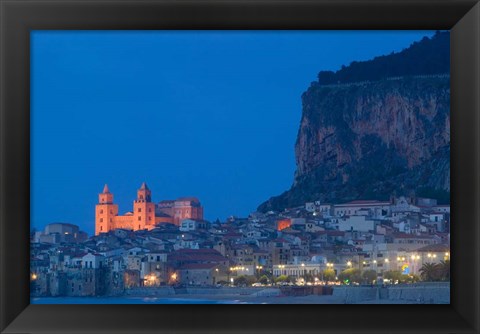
(368, 140)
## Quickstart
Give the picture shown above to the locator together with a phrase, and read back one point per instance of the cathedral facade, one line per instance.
(146, 214)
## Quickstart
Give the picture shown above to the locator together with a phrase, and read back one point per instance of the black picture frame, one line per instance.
(19, 17)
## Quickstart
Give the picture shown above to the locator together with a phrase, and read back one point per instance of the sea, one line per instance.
(126, 300)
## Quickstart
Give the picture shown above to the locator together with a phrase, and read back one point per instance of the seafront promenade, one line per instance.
(419, 293)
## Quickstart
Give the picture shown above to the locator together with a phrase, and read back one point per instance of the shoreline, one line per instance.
(412, 294)
(217, 299)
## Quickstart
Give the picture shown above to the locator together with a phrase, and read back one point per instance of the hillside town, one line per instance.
(170, 244)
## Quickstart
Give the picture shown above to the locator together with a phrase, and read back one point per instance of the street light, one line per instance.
(349, 263)
(174, 277)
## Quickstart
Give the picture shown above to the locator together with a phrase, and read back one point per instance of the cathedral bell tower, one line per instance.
(105, 211)
(143, 209)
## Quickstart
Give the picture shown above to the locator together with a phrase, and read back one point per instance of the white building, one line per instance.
(93, 261)
(376, 208)
(298, 270)
(192, 225)
(355, 223)
(310, 207)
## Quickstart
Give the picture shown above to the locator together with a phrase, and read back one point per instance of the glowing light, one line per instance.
(349, 263)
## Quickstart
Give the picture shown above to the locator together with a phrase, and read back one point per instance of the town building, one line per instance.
(56, 233)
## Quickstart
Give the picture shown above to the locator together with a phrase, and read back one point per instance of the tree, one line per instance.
(240, 281)
(282, 279)
(329, 275)
(430, 272)
(263, 280)
(350, 275)
(309, 278)
(369, 276)
(251, 280)
(444, 270)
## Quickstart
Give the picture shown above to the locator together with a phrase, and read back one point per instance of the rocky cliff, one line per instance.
(370, 139)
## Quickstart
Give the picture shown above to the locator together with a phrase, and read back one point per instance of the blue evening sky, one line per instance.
(211, 114)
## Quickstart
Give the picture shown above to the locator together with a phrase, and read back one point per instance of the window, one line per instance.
(101, 220)
(139, 209)
(139, 218)
(101, 211)
(149, 209)
(101, 228)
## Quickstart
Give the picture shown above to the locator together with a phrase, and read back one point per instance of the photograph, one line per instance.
(239, 167)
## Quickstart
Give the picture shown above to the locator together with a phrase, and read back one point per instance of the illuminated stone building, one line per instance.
(146, 214)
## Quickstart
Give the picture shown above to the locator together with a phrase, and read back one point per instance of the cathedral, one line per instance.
(146, 214)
